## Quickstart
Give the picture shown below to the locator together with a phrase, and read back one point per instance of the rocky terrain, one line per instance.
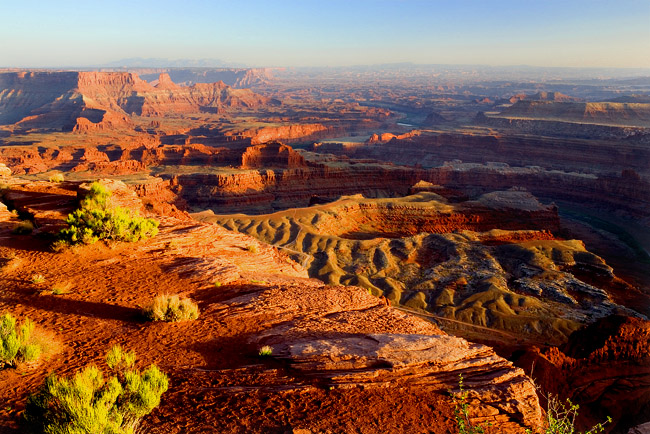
(493, 262)
(383, 230)
(338, 354)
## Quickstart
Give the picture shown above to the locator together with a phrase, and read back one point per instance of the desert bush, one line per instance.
(171, 308)
(252, 248)
(25, 227)
(265, 351)
(91, 403)
(96, 220)
(56, 177)
(17, 342)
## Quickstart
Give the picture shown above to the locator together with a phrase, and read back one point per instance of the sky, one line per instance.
(582, 33)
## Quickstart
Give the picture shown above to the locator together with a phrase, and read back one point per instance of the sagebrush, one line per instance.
(89, 402)
(96, 220)
(17, 343)
(171, 308)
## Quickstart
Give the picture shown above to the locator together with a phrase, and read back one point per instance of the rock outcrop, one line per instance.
(267, 190)
(273, 154)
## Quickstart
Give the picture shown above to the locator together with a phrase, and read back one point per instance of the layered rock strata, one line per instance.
(493, 262)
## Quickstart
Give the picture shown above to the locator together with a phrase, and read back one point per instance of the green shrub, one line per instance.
(252, 248)
(171, 308)
(61, 288)
(96, 220)
(91, 403)
(17, 342)
(461, 411)
(25, 227)
(265, 351)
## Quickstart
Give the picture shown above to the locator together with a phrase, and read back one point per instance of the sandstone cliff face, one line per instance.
(590, 156)
(88, 101)
(267, 190)
(604, 366)
(273, 154)
(557, 128)
(286, 132)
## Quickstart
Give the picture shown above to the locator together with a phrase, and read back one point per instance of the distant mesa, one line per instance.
(544, 96)
(597, 112)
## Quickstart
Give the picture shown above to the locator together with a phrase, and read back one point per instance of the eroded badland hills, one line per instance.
(383, 230)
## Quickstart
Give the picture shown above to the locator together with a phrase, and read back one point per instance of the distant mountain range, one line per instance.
(160, 62)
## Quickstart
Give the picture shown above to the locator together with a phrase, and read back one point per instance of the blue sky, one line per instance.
(612, 33)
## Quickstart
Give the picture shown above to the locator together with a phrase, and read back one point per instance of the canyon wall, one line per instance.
(431, 150)
(266, 190)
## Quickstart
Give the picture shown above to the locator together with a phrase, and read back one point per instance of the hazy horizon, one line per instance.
(587, 34)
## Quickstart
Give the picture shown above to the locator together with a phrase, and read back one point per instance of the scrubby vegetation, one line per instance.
(560, 416)
(97, 220)
(17, 342)
(171, 308)
(265, 351)
(91, 403)
(61, 288)
(461, 411)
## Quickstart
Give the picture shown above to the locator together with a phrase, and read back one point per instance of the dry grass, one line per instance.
(56, 177)
(61, 288)
(37, 279)
(167, 307)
